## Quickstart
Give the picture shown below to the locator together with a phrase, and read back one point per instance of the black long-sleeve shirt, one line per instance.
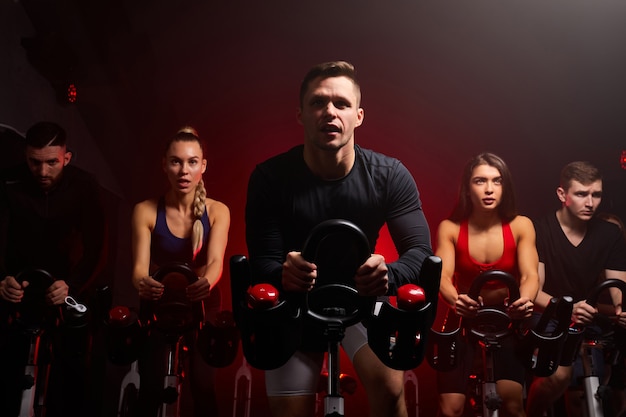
(61, 230)
(286, 201)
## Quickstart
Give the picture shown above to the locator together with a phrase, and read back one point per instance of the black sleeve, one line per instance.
(408, 228)
(263, 235)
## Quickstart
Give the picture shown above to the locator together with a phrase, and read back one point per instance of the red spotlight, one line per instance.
(623, 159)
(72, 93)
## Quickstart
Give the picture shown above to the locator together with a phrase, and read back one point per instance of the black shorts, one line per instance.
(506, 365)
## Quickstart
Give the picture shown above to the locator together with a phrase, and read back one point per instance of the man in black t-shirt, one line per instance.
(329, 177)
(575, 251)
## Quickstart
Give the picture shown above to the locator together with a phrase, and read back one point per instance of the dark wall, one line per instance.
(539, 82)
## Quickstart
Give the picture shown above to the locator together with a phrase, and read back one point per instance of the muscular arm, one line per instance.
(461, 303)
(543, 298)
(411, 236)
(446, 251)
(617, 296)
(218, 238)
(142, 223)
(527, 259)
(263, 237)
(210, 273)
(528, 265)
(408, 228)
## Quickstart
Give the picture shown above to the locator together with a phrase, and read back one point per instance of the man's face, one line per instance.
(46, 164)
(581, 200)
(330, 112)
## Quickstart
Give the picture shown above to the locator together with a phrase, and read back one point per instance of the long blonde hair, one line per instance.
(189, 134)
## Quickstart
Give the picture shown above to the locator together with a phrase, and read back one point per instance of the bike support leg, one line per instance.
(31, 372)
(333, 402)
(131, 378)
(591, 383)
(491, 399)
(171, 383)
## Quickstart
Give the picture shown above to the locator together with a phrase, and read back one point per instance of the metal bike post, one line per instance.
(333, 402)
(31, 372)
(591, 382)
(243, 390)
(491, 399)
(171, 383)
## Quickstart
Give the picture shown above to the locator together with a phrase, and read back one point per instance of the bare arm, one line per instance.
(543, 298)
(446, 251)
(144, 215)
(617, 296)
(219, 218)
(462, 304)
(528, 264)
(218, 238)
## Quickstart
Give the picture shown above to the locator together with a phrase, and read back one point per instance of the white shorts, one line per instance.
(300, 375)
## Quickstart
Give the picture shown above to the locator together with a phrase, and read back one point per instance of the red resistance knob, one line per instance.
(411, 297)
(262, 296)
(120, 316)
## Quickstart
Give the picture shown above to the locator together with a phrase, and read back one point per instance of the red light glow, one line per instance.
(72, 93)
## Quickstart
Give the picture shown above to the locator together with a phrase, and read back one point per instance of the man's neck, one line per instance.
(328, 164)
(573, 227)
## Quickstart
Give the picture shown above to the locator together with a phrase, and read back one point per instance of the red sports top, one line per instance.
(466, 268)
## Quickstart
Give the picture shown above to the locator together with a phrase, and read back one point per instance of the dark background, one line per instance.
(539, 82)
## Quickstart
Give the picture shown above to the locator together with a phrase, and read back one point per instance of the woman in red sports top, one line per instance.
(484, 232)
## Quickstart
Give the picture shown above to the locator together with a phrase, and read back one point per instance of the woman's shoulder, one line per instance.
(448, 226)
(215, 207)
(145, 213)
(146, 207)
(522, 224)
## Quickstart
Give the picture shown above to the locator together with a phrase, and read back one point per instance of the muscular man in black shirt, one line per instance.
(329, 177)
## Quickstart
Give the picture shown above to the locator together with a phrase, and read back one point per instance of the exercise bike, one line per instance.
(33, 326)
(584, 340)
(488, 328)
(171, 319)
(271, 332)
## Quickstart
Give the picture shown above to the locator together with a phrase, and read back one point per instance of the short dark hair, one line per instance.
(44, 134)
(328, 70)
(507, 209)
(581, 171)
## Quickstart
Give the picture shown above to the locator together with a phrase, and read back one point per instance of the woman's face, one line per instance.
(184, 165)
(485, 187)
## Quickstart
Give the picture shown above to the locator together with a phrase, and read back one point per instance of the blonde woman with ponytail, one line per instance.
(183, 225)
